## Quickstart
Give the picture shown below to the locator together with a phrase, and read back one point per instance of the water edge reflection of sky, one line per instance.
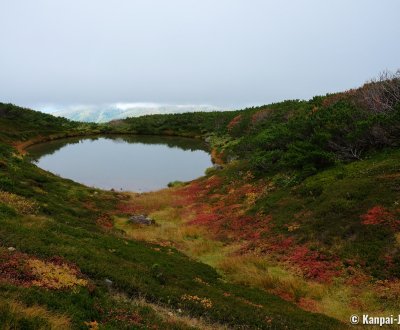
(129, 163)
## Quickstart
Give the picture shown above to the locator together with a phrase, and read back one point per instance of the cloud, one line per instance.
(126, 106)
(120, 110)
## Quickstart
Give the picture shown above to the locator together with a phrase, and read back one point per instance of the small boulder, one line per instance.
(11, 249)
(108, 284)
(141, 219)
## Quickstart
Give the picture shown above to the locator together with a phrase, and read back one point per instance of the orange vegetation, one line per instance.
(24, 270)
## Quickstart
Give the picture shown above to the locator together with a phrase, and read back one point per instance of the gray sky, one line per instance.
(229, 53)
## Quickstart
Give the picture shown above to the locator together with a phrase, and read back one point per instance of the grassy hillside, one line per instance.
(303, 220)
(307, 205)
(63, 264)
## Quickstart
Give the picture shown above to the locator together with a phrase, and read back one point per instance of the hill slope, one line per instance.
(305, 208)
(307, 205)
(64, 265)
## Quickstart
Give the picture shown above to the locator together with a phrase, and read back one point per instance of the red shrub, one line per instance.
(234, 122)
(308, 304)
(13, 269)
(314, 264)
(260, 116)
(335, 98)
(378, 215)
(204, 219)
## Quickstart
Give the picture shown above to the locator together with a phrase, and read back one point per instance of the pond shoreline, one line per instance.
(123, 162)
(22, 146)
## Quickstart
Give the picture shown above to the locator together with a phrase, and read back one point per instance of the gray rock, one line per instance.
(11, 249)
(109, 284)
(141, 219)
(217, 167)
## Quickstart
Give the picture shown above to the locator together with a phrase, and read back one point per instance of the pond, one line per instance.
(128, 163)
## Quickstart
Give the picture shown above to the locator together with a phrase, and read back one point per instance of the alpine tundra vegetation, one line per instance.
(298, 226)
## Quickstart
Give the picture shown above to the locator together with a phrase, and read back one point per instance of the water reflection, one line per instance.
(136, 163)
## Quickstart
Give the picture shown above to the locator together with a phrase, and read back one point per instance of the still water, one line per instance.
(131, 163)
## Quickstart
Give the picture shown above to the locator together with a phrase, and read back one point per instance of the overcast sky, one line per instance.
(228, 53)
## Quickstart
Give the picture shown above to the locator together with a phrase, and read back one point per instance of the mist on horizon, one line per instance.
(226, 54)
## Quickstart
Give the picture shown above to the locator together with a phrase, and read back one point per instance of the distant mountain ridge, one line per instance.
(102, 114)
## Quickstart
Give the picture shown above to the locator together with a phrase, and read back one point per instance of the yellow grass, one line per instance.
(18, 311)
(35, 221)
(336, 299)
(171, 231)
(257, 271)
(18, 203)
(153, 201)
(397, 235)
(54, 276)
